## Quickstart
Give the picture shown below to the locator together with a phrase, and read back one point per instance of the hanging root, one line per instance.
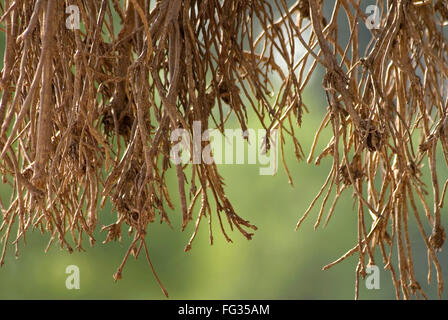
(88, 114)
(379, 105)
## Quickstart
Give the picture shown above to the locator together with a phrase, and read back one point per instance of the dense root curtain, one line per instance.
(86, 114)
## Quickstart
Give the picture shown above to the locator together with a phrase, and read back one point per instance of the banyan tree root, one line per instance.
(87, 113)
(379, 105)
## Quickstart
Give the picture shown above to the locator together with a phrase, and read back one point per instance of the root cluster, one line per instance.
(86, 115)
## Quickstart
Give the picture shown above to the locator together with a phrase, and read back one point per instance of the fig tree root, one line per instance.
(87, 111)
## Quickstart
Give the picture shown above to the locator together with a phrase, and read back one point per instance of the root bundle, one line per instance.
(87, 113)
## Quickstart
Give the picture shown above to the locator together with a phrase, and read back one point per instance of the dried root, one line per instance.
(378, 106)
(86, 114)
